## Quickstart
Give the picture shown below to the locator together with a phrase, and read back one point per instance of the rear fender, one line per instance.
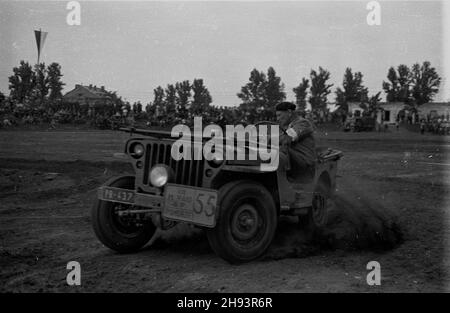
(327, 175)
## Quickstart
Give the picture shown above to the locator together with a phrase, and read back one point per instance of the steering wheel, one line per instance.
(266, 123)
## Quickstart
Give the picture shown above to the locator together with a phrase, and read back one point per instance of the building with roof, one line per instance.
(88, 95)
(390, 111)
(434, 109)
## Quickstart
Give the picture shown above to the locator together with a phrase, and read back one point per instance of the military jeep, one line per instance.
(236, 202)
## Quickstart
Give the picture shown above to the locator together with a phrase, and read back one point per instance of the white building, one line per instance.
(391, 110)
(434, 109)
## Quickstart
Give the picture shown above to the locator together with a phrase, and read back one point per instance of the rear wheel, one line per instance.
(246, 223)
(318, 213)
(120, 232)
(317, 216)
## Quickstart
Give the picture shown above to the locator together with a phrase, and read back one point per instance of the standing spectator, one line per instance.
(440, 126)
(53, 123)
(445, 127)
(422, 126)
(6, 122)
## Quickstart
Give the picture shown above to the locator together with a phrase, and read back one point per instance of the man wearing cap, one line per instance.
(297, 145)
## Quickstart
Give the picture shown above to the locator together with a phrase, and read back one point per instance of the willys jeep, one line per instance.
(234, 201)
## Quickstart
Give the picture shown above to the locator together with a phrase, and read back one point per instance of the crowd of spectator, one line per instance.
(439, 125)
(52, 115)
(114, 117)
(21, 114)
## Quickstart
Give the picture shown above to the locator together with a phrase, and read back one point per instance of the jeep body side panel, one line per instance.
(294, 195)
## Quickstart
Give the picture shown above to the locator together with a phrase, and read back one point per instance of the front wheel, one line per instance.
(119, 232)
(246, 223)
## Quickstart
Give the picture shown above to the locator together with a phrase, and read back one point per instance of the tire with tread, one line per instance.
(246, 222)
(112, 233)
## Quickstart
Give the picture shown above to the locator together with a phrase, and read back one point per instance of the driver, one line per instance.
(297, 145)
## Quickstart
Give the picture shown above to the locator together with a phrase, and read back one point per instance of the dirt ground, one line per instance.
(390, 207)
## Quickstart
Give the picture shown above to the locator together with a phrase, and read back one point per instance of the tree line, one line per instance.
(180, 100)
(37, 85)
(413, 86)
(41, 86)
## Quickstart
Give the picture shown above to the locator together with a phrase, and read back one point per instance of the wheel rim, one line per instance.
(125, 225)
(245, 222)
(318, 209)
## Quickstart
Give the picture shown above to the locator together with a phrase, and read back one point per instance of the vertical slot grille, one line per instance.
(187, 172)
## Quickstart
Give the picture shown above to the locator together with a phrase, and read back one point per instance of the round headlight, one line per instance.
(215, 161)
(137, 150)
(159, 176)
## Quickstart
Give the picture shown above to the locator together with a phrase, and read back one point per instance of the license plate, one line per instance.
(188, 204)
(116, 195)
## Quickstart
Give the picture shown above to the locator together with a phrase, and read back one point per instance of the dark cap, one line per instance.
(285, 106)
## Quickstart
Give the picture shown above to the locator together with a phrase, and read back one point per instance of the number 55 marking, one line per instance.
(199, 207)
(211, 205)
(200, 204)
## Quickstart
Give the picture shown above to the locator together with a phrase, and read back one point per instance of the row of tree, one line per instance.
(181, 99)
(260, 95)
(416, 85)
(36, 85)
(413, 86)
(263, 90)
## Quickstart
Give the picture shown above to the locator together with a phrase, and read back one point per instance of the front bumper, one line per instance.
(126, 196)
(181, 203)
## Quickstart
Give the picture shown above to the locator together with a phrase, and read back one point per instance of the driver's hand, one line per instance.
(285, 142)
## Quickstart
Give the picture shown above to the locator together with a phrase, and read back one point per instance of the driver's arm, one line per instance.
(299, 129)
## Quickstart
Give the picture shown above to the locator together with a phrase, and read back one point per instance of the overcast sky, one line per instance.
(132, 47)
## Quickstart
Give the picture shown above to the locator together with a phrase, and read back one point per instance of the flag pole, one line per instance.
(39, 52)
(40, 39)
